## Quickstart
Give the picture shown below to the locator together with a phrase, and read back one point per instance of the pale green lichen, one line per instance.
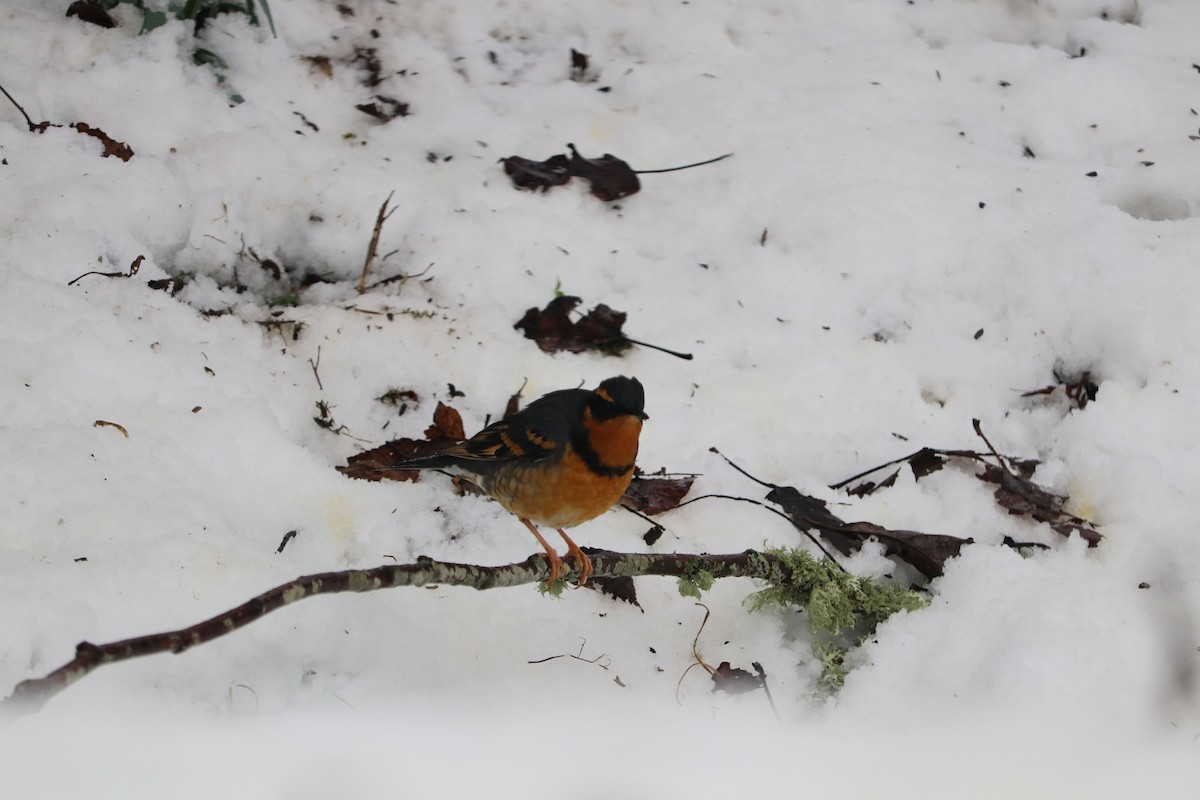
(833, 667)
(842, 609)
(835, 600)
(695, 580)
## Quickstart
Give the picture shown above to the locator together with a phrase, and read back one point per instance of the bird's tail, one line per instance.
(432, 461)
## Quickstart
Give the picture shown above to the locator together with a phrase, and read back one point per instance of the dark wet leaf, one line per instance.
(535, 175)
(926, 552)
(734, 680)
(579, 64)
(111, 146)
(620, 588)
(1079, 389)
(610, 177)
(1018, 495)
(553, 329)
(514, 403)
(169, 285)
(375, 464)
(652, 495)
(367, 59)
(384, 108)
(91, 11)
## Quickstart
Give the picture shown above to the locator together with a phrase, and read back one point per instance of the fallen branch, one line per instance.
(30, 695)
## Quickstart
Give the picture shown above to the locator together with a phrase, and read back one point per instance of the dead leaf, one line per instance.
(111, 146)
(610, 177)
(926, 552)
(537, 175)
(384, 108)
(734, 680)
(553, 329)
(579, 64)
(619, 588)
(321, 64)
(376, 464)
(653, 494)
(1079, 389)
(91, 11)
(1020, 496)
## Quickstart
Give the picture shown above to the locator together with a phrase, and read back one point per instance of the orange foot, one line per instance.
(581, 560)
(557, 568)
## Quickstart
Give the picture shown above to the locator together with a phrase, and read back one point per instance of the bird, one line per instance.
(564, 459)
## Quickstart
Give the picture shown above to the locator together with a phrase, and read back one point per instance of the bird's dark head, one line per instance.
(617, 397)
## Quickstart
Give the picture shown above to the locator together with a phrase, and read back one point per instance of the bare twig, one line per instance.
(28, 121)
(316, 365)
(30, 695)
(676, 353)
(133, 270)
(384, 213)
(685, 166)
(103, 423)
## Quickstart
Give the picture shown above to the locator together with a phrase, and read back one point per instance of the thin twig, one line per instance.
(762, 681)
(807, 533)
(676, 353)
(315, 366)
(379, 220)
(133, 270)
(685, 166)
(32, 128)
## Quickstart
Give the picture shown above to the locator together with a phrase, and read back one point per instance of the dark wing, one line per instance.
(539, 431)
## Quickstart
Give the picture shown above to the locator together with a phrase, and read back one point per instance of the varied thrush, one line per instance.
(564, 459)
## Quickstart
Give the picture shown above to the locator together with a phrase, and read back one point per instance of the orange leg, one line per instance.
(557, 568)
(581, 560)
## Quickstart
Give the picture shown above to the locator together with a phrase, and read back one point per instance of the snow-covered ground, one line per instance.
(932, 207)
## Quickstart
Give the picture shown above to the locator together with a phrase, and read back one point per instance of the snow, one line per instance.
(906, 176)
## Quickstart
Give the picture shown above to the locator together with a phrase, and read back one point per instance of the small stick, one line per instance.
(384, 213)
(685, 166)
(133, 270)
(32, 128)
(315, 366)
(677, 354)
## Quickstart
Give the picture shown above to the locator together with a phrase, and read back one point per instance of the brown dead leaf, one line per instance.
(376, 464)
(111, 146)
(553, 329)
(652, 494)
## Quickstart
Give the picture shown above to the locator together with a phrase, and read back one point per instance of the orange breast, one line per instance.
(561, 494)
